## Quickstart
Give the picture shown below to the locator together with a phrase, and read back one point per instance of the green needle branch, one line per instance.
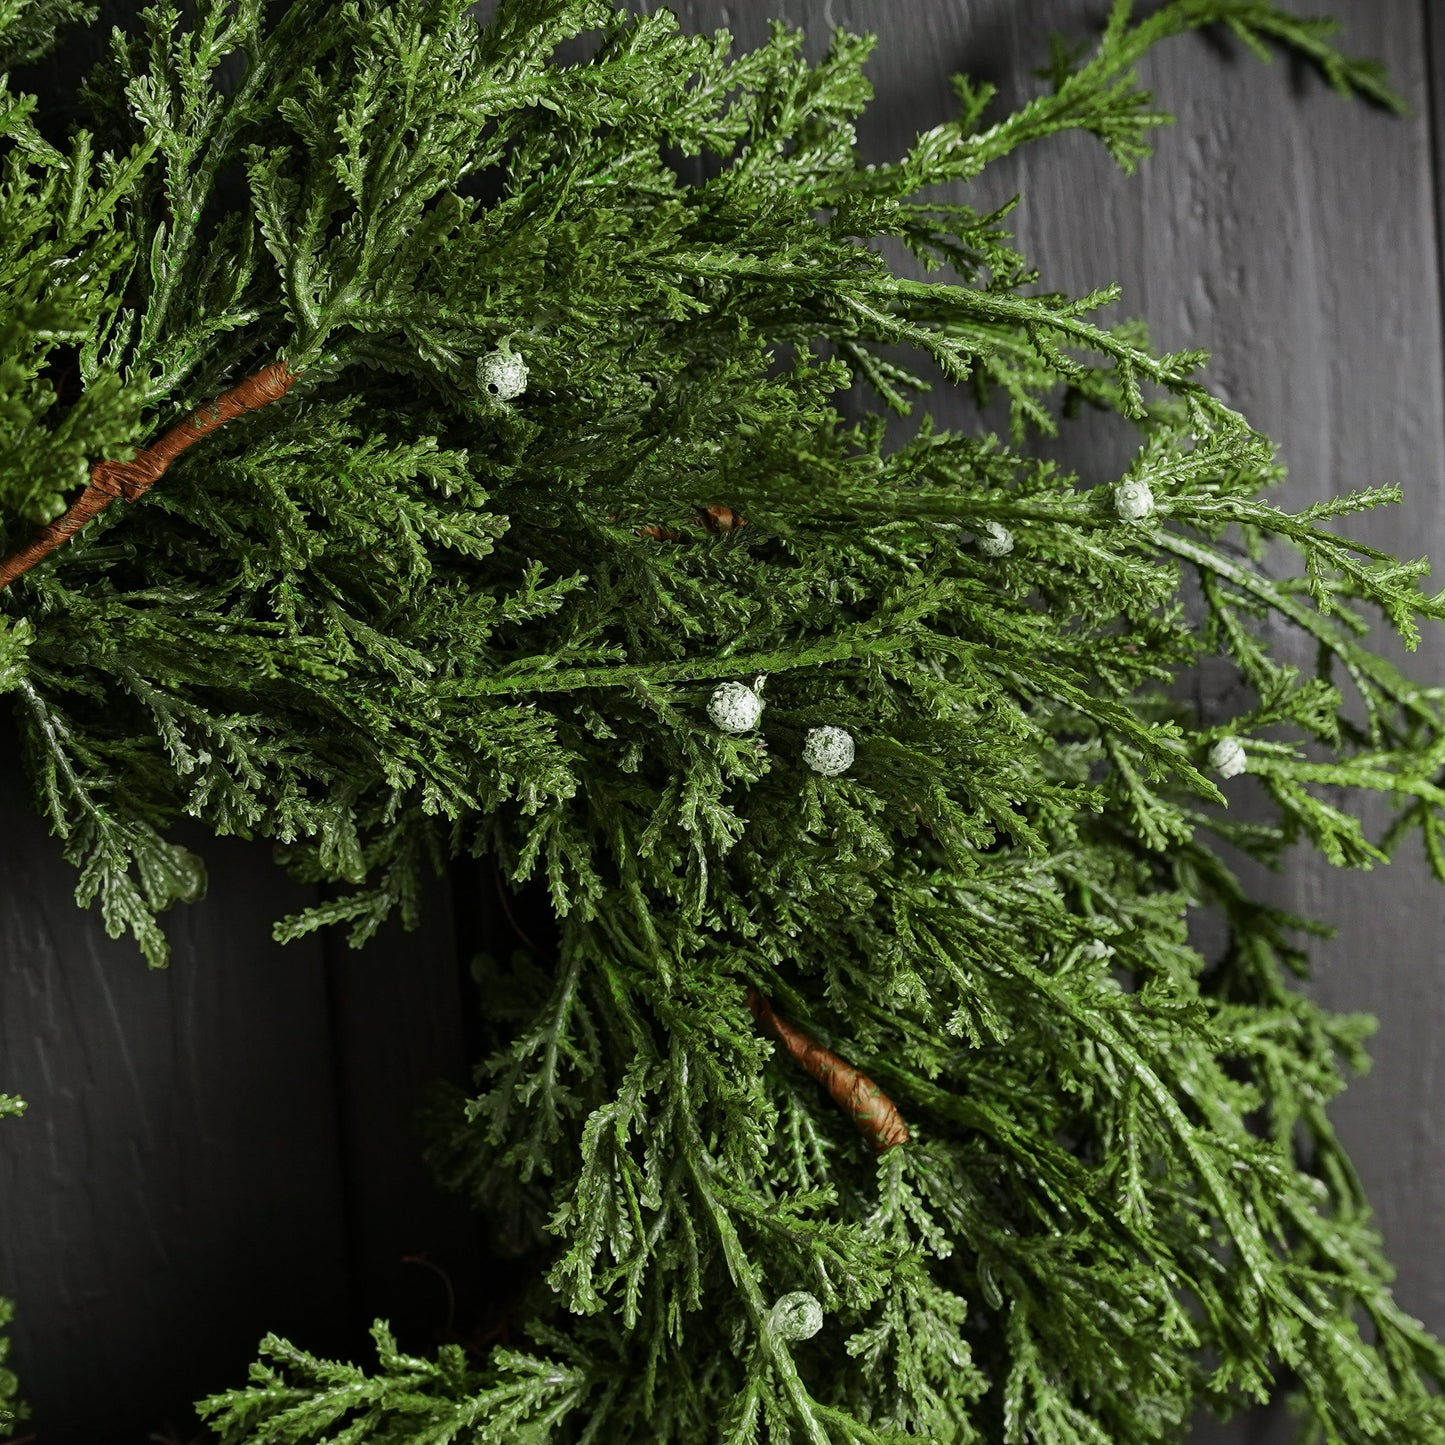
(586, 552)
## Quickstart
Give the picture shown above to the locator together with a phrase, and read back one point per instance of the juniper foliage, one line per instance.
(12, 1409)
(394, 619)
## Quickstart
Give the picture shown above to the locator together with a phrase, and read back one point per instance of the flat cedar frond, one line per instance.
(438, 448)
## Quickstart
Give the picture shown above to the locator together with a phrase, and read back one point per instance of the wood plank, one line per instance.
(174, 1190)
(193, 1135)
(397, 1014)
(1294, 236)
(1303, 231)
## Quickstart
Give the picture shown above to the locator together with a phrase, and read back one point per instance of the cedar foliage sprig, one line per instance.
(390, 620)
(12, 1408)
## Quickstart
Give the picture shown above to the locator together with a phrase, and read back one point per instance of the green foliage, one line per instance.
(294, 1396)
(12, 1410)
(395, 619)
(30, 28)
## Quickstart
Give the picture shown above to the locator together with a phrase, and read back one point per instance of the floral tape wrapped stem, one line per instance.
(132, 479)
(872, 1111)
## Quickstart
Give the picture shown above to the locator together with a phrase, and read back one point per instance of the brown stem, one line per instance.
(132, 479)
(873, 1113)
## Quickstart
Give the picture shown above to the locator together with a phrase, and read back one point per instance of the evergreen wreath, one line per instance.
(438, 449)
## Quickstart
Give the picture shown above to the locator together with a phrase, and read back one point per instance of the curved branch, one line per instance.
(132, 479)
(873, 1113)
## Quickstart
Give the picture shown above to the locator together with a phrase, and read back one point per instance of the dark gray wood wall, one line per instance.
(226, 1147)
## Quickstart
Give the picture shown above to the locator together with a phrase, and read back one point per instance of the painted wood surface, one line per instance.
(213, 1150)
(227, 1147)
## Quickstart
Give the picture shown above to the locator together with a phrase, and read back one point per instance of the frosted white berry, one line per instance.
(829, 750)
(502, 374)
(1133, 501)
(797, 1316)
(735, 707)
(995, 540)
(1228, 758)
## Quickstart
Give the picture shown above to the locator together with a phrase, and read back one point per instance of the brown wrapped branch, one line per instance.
(132, 479)
(873, 1113)
(719, 518)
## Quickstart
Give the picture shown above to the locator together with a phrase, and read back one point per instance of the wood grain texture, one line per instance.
(174, 1190)
(214, 1151)
(397, 1020)
(1299, 246)
(1295, 237)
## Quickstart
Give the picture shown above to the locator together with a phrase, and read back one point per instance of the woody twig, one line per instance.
(132, 479)
(873, 1113)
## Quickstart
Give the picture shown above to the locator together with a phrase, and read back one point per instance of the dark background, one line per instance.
(227, 1147)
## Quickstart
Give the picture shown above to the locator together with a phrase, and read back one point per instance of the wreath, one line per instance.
(416, 444)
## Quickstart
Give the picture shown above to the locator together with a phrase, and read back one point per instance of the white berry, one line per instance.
(735, 707)
(995, 540)
(829, 750)
(797, 1316)
(1228, 758)
(502, 374)
(1133, 501)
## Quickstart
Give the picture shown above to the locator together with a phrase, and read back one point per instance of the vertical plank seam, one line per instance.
(341, 1103)
(1434, 37)
(473, 915)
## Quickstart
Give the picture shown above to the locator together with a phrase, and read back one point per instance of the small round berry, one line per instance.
(995, 540)
(1228, 757)
(797, 1316)
(502, 374)
(735, 708)
(829, 750)
(1133, 501)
